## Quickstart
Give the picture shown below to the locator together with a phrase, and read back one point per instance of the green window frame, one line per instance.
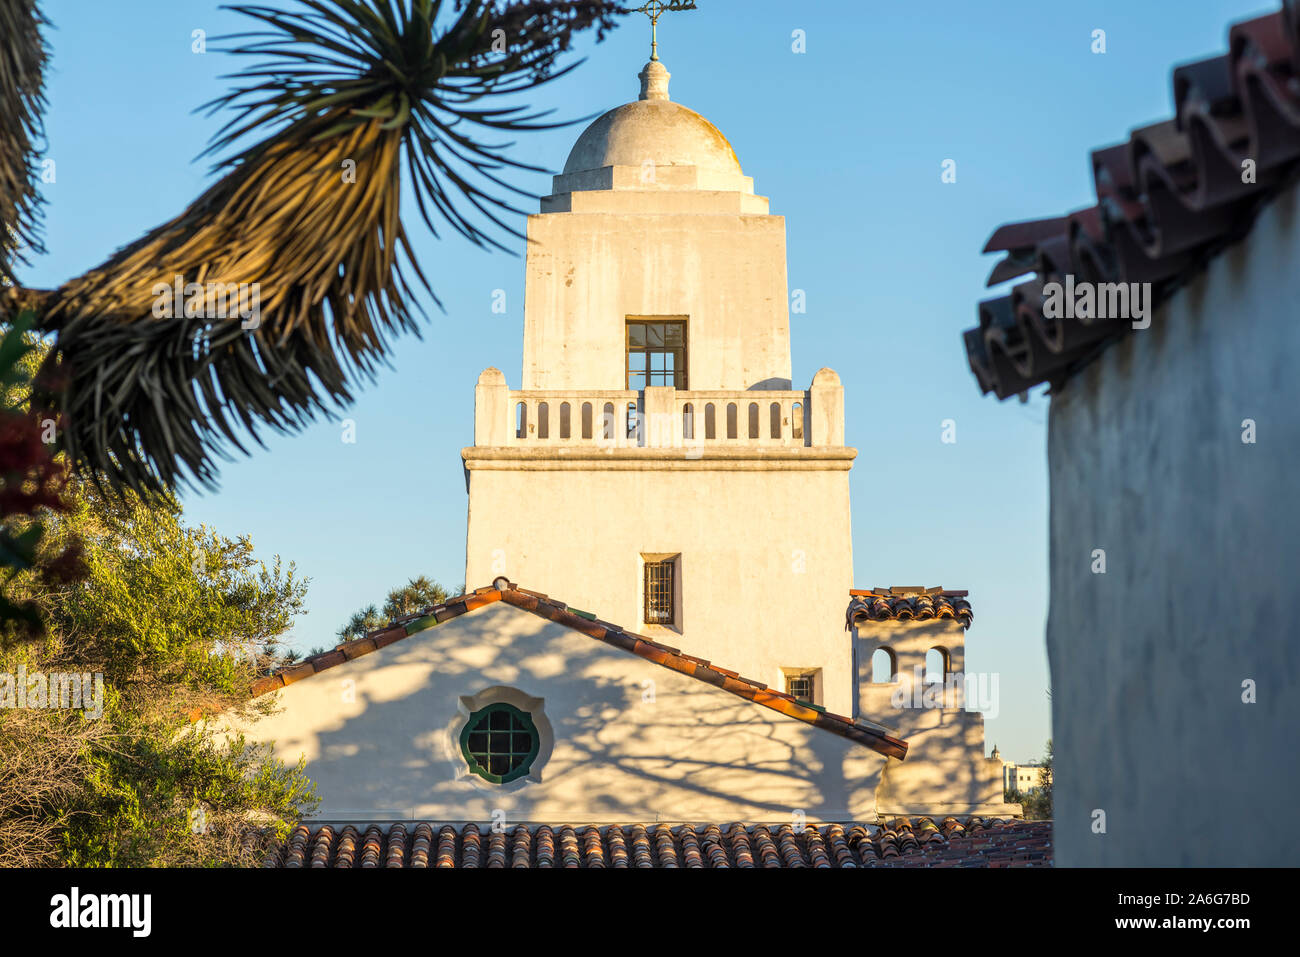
(499, 743)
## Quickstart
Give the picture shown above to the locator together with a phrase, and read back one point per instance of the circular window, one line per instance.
(500, 742)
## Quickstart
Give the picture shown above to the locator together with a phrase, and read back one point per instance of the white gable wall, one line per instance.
(381, 736)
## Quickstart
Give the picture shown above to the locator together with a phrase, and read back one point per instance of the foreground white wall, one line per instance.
(1201, 533)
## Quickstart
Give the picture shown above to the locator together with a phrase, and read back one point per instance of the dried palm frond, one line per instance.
(350, 93)
(22, 101)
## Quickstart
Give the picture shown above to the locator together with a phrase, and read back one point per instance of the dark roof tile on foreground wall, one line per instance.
(902, 842)
(588, 624)
(1168, 200)
(907, 604)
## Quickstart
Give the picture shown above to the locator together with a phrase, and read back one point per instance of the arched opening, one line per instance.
(688, 421)
(633, 423)
(710, 421)
(796, 421)
(586, 420)
(753, 420)
(543, 420)
(521, 420)
(564, 420)
(883, 666)
(775, 419)
(607, 425)
(732, 415)
(936, 664)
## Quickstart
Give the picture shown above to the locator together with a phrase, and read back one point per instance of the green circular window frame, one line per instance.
(529, 727)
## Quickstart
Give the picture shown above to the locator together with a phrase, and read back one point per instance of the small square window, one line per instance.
(801, 687)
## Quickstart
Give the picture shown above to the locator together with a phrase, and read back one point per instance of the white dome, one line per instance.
(654, 130)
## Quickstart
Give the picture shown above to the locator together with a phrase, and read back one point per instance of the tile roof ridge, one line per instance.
(502, 589)
(890, 840)
(396, 629)
(908, 604)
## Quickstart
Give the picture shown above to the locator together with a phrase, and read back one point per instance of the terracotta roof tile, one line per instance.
(901, 842)
(907, 604)
(583, 622)
(1168, 200)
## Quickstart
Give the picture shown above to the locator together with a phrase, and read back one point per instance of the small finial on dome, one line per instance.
(654, 81)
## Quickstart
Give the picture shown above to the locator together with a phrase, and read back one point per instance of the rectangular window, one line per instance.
(801, 687)
(659, 584)
(656, 352)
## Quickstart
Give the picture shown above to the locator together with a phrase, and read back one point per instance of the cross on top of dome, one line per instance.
(654, 9)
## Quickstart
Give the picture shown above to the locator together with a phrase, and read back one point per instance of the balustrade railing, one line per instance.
(659, 416)
(627, 419)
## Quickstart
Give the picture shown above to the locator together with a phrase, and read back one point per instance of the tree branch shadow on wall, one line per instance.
(689, 752)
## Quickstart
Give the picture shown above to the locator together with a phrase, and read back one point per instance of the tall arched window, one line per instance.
(521, 420)
(775, 418)
(936, 664)
(883, 666)
(564, 420)
(688, 421)
(543, 420)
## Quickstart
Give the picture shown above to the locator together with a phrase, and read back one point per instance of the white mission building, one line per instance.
(665, 627)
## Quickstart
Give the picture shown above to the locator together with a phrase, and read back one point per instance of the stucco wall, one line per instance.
(586, 272)
(1201, 534)
(945, 744)
(380, 736)
(766, 556)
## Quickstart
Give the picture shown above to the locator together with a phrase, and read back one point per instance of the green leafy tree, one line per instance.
(1044, 793)
(413, 597)
(31, 483)
(405, 600)
(1037, 802)
(360, 624)
(179, 621)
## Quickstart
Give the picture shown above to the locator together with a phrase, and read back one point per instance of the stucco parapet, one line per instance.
(752, 459)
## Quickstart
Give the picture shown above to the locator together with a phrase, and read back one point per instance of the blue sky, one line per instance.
(847, 139)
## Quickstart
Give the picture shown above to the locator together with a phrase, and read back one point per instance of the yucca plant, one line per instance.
(345, 102)
(22, 103)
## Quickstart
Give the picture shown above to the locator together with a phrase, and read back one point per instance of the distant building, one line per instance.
(1022, 778)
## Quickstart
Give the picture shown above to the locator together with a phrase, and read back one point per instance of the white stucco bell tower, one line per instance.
(656, 467)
